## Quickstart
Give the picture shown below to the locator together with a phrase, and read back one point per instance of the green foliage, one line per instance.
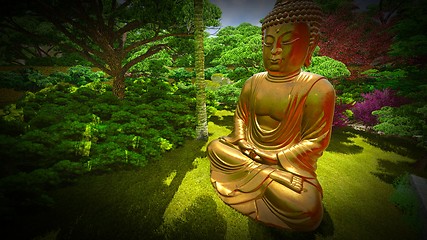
(215, 70)
(227, 96)
(240, 73)
(393, 78)
(411, 40)
(235, 46)
(408, 82)
(26, 79)
(405, 47)
(82, 75)
(88, 124)
(180, 74)
(328, 67)
(63, 131)
(29, 79)
(26, 190)
(406, 199)
(407, 120)
(155, 66)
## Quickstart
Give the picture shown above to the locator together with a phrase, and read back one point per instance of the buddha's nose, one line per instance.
(276, 51)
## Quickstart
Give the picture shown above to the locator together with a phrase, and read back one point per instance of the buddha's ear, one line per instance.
(310, 52)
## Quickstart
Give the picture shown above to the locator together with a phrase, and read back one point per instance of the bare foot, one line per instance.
(288, 179)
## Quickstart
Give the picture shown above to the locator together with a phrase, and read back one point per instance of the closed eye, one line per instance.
(268, 41)
(289, 41)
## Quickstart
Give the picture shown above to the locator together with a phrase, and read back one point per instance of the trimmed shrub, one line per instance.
(407, 121)
(374, 101)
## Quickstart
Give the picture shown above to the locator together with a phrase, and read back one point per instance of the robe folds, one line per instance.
(299, 111)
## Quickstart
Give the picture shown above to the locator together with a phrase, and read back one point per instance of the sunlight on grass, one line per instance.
(196, 184)
(356, 197)
(356, 185)
(167, 181)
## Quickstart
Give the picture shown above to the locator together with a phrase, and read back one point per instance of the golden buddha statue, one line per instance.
(266, 167)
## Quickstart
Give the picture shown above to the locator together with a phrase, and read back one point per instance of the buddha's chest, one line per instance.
(274, 100)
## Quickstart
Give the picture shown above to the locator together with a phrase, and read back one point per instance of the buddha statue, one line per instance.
(266, 168)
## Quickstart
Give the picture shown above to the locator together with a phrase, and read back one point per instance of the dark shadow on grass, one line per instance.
(400, 145)
(200, 221)
(124, 204)
(260, 231)
(387, 171)
(225, 121)
(341, 142)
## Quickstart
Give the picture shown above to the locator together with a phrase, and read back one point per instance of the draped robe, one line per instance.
(299, 111)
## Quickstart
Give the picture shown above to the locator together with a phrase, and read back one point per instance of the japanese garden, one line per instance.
(108, 109)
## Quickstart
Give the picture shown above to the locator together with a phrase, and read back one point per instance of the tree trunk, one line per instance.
(202, 124)
(119, 86)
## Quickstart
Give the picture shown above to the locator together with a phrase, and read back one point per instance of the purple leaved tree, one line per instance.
(362, 111)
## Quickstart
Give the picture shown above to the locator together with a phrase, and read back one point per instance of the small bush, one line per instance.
(328, 67)
(374, 101)
(407, 121)
(180, 74)
(82, 75)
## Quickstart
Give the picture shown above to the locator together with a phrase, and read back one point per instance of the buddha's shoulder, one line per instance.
(260, 74)
(255, 78)
(311, 77)
(319, 85)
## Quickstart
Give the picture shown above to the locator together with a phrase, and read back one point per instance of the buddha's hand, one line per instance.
(268, 157)
(247, 149)
(288, 179)
(242, 144)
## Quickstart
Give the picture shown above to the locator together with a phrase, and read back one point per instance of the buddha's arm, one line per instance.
(316, 131)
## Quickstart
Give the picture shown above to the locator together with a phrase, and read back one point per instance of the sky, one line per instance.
(235, 12)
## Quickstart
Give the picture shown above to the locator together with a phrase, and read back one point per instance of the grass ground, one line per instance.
(173, 198)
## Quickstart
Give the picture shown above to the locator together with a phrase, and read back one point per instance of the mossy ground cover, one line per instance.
(172, 198)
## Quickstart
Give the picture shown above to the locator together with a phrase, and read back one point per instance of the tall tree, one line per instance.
(354, 38)
(202, 124)
(99, 29)
(235, 46)
(410, 42)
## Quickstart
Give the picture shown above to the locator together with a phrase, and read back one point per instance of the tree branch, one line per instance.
(88, 57)
(77, 41)
(153, 50)
(129, 27)
(153, 39)
(51, 13)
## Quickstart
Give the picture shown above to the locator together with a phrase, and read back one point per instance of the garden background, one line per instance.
(98, 120)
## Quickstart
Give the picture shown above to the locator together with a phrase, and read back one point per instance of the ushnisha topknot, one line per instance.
(295, 11)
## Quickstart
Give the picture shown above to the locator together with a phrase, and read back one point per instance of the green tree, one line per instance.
(98, 30)
(235, 46)
(202, 125)
(411, 38)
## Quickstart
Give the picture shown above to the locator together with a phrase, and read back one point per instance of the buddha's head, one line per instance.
(290, 35)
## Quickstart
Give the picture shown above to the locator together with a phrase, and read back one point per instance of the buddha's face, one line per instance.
(286, 48)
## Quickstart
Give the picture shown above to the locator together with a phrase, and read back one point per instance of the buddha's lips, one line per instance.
(276, 61)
